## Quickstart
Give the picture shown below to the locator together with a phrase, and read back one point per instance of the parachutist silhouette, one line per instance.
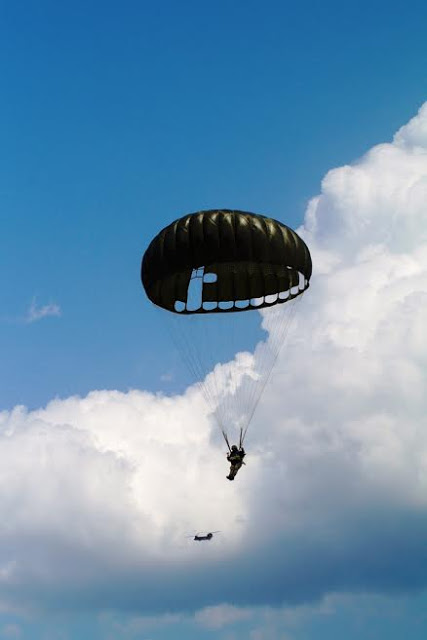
(235, 458)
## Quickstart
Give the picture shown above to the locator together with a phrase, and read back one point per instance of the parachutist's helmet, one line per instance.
(234, 448)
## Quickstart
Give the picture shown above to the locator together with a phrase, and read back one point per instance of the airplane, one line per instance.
(207, 536)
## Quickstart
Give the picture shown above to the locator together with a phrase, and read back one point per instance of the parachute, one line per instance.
(208, 269)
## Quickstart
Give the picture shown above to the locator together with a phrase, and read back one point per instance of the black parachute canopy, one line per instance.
(243, 260)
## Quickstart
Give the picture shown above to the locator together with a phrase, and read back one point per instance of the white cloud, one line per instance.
(36, 312)
(351, 437)
(221, 615)
(108, 485)
(361, 611)
(413, 136)
(134, 626)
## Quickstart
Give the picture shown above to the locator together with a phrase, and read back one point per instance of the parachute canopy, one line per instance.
(241, 261)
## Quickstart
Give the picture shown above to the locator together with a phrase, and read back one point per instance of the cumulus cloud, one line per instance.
(97, 493)
(102, 490)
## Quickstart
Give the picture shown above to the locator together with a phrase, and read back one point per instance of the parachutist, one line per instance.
(235, 458)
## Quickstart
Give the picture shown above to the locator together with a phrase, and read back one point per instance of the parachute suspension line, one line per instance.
(189, 354)
(271, 351)
(220, 378)
(229, 397)
(226, 439)
(223, 374)
(210, 379)
(231, 394)
(279, 331)
(189, 350)
(230, 404)
(268, 352)
(230, 378)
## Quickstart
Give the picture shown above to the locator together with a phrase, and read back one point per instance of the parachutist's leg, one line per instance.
(232, 473)
(237, 467)
(233, 470)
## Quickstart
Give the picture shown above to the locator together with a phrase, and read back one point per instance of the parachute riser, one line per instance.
(226, 439)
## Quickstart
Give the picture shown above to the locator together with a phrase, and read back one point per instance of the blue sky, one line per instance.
(117, 118)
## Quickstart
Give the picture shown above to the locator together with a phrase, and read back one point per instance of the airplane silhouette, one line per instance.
(207, 536)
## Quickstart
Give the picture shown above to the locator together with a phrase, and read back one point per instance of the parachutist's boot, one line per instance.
(230, 477)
